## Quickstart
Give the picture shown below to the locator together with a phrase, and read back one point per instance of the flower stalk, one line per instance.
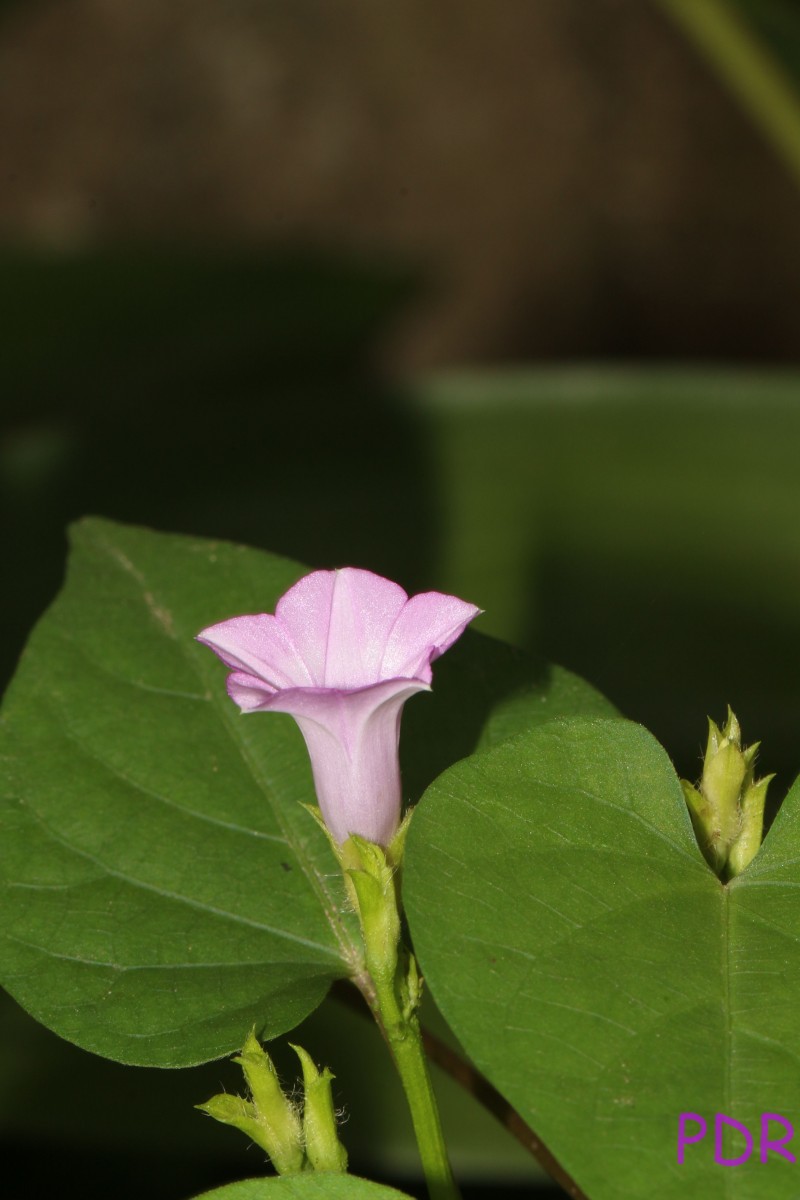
(372, 873)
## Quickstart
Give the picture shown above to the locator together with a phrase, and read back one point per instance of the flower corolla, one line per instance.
(342, 653)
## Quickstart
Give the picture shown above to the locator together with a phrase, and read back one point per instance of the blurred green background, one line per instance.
(497, 299)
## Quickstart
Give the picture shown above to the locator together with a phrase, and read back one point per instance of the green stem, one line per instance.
(466, 1076)
(404, 1036)
(394, 991)
(751, 72)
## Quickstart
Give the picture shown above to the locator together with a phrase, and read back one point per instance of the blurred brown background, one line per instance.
(568, 177)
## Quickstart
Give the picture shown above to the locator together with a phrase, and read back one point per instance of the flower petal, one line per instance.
(305, 614)
(342, 619)
(258, 645)
(249, 692)
(427, 626)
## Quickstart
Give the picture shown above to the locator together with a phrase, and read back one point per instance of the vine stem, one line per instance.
(749, 69)
(477, 1085)
(404, 1037)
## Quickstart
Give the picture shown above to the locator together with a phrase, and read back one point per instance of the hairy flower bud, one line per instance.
(269, 1118)
(727, 805)
(323, 1149)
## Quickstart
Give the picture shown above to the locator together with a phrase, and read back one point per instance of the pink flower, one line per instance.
(343, 652)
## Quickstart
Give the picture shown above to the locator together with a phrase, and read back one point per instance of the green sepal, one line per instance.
(410, 988)
(750, 760)
(723, 776)
(282, 1132)
(702, 815)
(397, 846)
(323, 1149)
(747, 845)
(241, 1114)
(314, 811)
(393, 853)
(372, 880)
(732, 730)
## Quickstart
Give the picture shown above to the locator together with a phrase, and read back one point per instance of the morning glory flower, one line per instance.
(342, 654)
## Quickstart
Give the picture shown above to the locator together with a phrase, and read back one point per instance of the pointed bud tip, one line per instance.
(310, 1071)
(229, 1109)
(731, 729)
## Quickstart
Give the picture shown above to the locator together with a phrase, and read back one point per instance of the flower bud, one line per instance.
(727, 805)
(272, 1120)
(324, 1150)
(269, 1118)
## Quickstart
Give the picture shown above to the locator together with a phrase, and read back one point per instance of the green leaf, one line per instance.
(163, 889)
(324, 1186)
(595, 968)
(483, 692)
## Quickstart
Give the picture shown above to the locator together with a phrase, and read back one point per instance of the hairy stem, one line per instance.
(404, 1037)
(408, 1052)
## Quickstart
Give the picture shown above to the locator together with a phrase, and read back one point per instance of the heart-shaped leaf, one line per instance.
(598, 972)
(321, 1186)
(162, 888)
(164, 891)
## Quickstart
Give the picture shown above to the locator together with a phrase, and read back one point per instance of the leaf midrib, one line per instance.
(727, 1024)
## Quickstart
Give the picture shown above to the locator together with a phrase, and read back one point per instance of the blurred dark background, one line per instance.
(497, 299)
